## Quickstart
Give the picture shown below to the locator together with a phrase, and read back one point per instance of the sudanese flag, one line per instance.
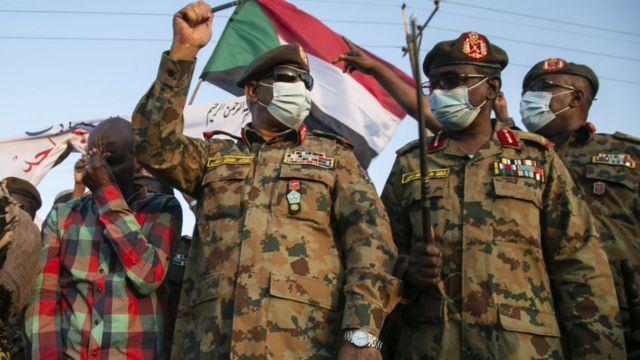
(353, 106)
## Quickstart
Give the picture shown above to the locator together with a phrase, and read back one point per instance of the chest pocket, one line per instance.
(437, 195)
(616, 175)
(304, 193)
(516, 210)
(223, 191)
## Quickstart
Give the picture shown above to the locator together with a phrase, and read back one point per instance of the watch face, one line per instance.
(360, 338)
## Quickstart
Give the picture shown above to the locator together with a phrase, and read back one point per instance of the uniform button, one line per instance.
(94, 353)
(96, 322)
(99, 290)
(171, 73)
(101, 271)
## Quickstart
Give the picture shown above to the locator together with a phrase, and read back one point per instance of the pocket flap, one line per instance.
(528, 320)
(206, 289)
(304, 289)
(615, 174)
(226, 172)
(523, 189)
(436, 189)
(307, 173)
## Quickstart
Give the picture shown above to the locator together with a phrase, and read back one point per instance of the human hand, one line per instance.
(97, 173)
(191, 30)
(356, 59)
(425, 265)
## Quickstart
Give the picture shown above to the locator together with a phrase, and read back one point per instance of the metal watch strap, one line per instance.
(373, 342)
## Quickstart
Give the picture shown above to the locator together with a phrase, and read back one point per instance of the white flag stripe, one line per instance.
(345, 99)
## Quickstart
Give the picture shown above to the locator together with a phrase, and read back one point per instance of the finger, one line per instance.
(425, 263)
(433, 250)
(203, 10)
(352, 47)
(190, 15)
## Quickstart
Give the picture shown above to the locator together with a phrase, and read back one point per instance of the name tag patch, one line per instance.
(615, 160)
(431, 174)
(309, 158)
(229, 160)
(519, 168)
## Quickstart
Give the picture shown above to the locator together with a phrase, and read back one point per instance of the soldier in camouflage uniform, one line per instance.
(520, 264)
(19, 257)
(292, 245)
(556, 102)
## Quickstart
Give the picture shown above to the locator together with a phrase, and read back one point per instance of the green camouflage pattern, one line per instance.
(523, 267)
(20, 234)
(261, 281)
(617, 209)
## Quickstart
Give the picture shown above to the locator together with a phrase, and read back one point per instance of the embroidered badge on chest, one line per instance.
(294, 197)
(519, 168)
(309, 158)
(431, 174)
(229, 160)
(614, 159)
(599, 187)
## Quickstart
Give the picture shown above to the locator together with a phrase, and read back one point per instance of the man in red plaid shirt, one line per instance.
(104, 256)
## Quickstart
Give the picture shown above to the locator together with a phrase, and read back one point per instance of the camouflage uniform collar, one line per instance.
(583, 134)
(250, 136)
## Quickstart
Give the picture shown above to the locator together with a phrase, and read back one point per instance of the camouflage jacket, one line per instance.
(284, 254)
(607, 170)
(522, 262)
(19, 234)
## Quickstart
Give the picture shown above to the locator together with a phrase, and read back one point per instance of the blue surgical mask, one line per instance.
(452, 108)
(290, 104)
(535, 111)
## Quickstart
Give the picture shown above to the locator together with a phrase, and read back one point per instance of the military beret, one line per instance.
(560, 66)
(24, 188)
(470, 48)
(285, 54)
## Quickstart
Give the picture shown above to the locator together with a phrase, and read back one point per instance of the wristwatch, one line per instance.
(362, 338)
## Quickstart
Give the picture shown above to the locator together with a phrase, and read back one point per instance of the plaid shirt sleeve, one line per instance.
(42, 322)
(145, 259)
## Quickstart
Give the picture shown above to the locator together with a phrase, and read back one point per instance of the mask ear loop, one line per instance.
(567, 107)
(471, 88)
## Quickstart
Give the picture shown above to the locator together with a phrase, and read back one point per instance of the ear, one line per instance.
(493, 90)
(577, 99)
(250, 91)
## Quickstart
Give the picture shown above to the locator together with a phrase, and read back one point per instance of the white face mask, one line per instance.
(290, 104)
(535, 111)
(453, 109)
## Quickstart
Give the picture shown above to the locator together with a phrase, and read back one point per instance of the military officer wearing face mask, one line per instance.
(557, 96)
(292, 253)
(517, 253)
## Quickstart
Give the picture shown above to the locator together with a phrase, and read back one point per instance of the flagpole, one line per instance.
(214, 9)
(226, 5)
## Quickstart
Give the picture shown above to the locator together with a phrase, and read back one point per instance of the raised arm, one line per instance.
(157, 121)
(402, 93)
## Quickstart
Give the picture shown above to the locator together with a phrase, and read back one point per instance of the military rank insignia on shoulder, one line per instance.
(408, 147)
(538, 139)
(339, 139)
(626, 137)
(614, 160)
(309, 158)
(523, 168)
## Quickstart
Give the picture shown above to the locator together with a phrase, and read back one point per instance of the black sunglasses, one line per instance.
(448, 81)
(287, 74)
(543, 84)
